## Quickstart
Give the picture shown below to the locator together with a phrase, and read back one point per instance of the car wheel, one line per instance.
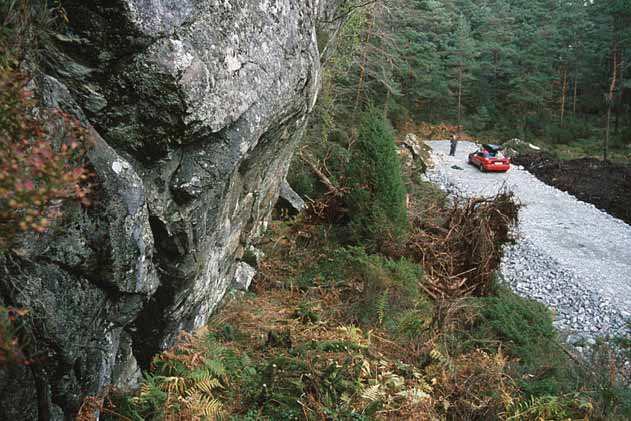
(482, 169)
(469, 161)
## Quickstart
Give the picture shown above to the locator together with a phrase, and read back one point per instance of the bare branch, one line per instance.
(350, 11)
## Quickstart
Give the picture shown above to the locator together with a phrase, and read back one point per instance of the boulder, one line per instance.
(411, 142)
(289, 199)
(195, 108)
(243, 276)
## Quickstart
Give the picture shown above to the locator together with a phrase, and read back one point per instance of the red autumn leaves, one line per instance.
(42, 156)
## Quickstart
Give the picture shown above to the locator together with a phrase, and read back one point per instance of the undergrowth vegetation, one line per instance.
(379, 301)
(333, 330)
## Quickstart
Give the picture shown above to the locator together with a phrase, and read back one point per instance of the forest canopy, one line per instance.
(550, 70)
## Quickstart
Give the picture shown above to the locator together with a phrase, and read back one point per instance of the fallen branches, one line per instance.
(462, 250)
(323, 178)
(332, 206)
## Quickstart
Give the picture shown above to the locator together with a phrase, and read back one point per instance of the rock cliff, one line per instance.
(195, 107)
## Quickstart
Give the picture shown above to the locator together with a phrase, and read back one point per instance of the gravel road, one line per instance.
(569, 254)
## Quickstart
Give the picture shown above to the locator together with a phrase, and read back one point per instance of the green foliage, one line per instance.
(377, 198)
(301, 180)
(305, 313)
(388, 286)
(411, 323)
(227, 332)
(287, 381)
(562, 407)
(251, 415)
(525, 329)
(498, 66)
(185, 381)
(571, 131)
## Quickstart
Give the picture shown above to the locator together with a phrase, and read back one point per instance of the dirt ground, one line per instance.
(605, 185)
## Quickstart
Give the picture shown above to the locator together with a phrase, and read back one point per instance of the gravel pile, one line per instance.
(569, 255)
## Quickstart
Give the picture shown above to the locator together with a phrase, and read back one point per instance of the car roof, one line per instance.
(491, 147)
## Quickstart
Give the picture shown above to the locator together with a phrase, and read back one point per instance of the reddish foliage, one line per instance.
(41, 160)
(10, 351)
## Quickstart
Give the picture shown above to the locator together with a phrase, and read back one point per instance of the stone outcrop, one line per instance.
(289, 199)
(195, 107)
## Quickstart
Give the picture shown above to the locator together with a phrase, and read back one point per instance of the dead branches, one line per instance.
(332, 206)
(323, 178)
(462, 250)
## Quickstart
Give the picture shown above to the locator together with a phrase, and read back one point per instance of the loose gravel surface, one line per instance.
(569, 255)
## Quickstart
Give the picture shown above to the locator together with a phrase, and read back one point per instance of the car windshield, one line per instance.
(491, 154)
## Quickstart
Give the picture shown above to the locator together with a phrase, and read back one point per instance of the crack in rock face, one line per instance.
(195, 107)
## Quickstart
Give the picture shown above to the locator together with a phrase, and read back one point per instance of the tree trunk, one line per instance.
(388, 94)
(575, 90)
(620, 90)
(606, 146)
(363, 64)
(612, 86)
(459, 98)
(563, 91)
(323, 178)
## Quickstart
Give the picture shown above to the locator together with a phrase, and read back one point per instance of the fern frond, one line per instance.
(414, 395)
(173, 385)
(201, 374)
(382, 306)
(373, 393)
(216, 367)
(392, 381)
(366, 370)
(207, 386)
(353, 334)
(203, 405)
(441, 358)
(423, 385)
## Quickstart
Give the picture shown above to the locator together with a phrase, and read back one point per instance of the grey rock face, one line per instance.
(291, 198)
(195, 107)
(243, 276)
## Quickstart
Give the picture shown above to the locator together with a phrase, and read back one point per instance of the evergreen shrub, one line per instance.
(378, 215)
(525, 327)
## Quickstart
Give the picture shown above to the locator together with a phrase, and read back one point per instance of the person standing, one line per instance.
(453, 144)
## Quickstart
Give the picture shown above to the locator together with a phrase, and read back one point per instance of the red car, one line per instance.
(489, 158)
